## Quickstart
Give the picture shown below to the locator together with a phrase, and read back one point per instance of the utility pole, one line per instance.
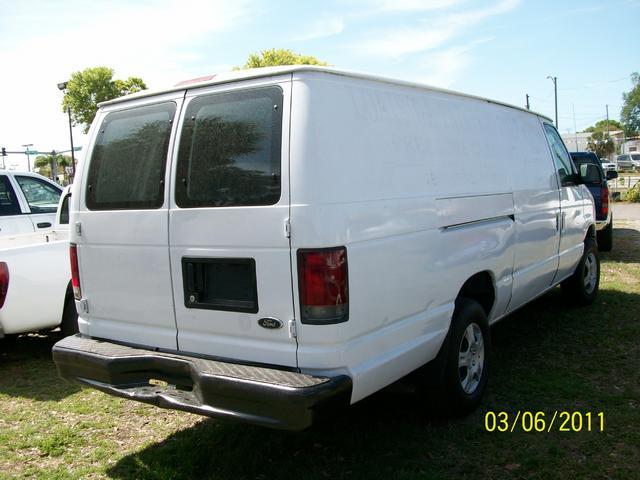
(555, 93)
(528, 108)
(26, 146)
(54, 167)
(73, 158)
(575, 131)
(62, 87)
(607, 107)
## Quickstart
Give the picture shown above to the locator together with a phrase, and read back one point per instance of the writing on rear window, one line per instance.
(229, 152)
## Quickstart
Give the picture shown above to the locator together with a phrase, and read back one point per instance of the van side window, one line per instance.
(229, 152)
(41, 196)
(8, 201)
(129, 158)
(564, 165)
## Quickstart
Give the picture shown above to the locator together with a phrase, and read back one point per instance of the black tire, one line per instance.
(578, 289)
(9, 340)
(605, 238)
(69, 324)
(463, 398)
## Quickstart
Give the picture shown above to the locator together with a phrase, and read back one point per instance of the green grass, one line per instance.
(546, 357)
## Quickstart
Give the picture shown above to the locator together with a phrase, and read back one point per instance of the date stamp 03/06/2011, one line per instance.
(558, 420)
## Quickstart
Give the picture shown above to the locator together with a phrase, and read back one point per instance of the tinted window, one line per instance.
(561, 158)
(635, 157)
(229, 151)
(8, 201)
(590, 173)
(41, 196)
(129, 158)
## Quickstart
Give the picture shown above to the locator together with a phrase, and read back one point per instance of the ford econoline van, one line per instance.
(270, 244)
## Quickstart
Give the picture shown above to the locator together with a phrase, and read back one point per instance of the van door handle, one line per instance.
(195, 278)
(44, 225)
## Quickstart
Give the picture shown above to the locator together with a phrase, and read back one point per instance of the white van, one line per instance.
(275, 242)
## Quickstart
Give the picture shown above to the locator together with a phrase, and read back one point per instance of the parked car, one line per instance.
(630, 161)
(596, 181)
(35, 279)
(607, 165)
(288, 240)
(28, 202)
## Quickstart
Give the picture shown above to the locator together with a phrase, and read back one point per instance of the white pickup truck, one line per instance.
(28, 202)
(35, 287)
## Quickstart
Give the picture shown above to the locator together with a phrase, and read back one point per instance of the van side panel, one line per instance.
(372, 168)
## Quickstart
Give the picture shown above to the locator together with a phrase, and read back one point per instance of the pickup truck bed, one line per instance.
(39, 275)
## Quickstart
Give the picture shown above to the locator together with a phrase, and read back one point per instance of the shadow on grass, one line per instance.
(28, 370)
(546, 356)
(626, 246)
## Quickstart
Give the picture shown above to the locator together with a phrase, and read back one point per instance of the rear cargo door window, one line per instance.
(128, 162)
(230, 150)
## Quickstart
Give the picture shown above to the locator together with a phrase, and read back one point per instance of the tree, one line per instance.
(630, 114)
(43, 164)
(601, 126)
(279, 56)
(91, 86)
(601, 144)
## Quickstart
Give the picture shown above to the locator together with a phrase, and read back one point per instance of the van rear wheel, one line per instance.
(466, 368)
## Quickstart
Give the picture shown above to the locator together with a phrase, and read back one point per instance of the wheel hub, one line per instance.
(471, 358)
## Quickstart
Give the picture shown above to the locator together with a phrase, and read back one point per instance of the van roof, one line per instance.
(238, 75)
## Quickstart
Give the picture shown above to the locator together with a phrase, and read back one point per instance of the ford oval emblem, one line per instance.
(270, 323)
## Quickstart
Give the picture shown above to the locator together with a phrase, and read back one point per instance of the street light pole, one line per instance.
(555, 93)
(73, 158)
(27, 145)
(63, 86)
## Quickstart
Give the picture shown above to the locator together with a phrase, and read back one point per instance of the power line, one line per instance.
(598, 84)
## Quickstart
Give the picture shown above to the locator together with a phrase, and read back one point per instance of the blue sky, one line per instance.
(500, 49)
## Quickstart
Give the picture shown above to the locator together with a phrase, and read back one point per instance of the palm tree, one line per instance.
(44, 164)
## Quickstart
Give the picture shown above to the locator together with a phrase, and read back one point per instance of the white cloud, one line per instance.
(431, 34)
(444, 67)
(367, 8)
(325, 27)
(411, 5)
(156, 40)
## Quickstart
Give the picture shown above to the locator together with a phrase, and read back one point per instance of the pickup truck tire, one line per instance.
(69, 324)
(581, 288)
(605, 238)
(467, 357)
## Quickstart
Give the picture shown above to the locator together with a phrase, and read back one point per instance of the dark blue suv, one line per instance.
(595, 179)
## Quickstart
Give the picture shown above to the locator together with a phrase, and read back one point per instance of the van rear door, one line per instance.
(121, 226)
(229, 247)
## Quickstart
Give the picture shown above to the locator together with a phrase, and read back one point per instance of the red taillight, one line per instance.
(75, 273)
(4, 282)
(324, 287)
(604, 200)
